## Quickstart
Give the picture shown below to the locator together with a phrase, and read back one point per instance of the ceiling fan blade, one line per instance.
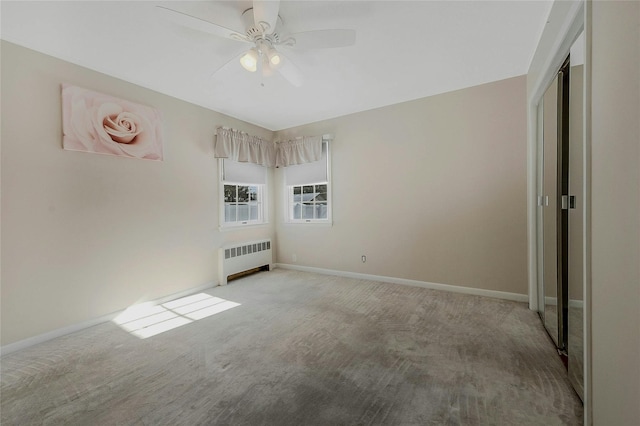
(321, 39)
(234, 58)
(290, 71)
(195, 23)
(265, 14)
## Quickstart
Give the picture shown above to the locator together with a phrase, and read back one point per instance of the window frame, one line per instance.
(262, 198)
(289, 196)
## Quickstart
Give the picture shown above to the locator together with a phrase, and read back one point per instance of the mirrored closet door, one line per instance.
(575, 305)
(560, 212)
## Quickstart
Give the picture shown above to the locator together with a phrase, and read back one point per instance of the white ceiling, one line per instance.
(403, 51)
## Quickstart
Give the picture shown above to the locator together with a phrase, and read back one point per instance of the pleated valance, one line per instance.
(244, 148)
(299, 151)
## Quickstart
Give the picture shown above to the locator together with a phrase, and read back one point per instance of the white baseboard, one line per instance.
(433, 286)
(41, 338)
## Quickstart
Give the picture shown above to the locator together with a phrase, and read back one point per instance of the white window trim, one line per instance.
(263, 202)
(288, 196)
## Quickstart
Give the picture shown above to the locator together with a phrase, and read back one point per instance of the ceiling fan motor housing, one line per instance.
(254, 31)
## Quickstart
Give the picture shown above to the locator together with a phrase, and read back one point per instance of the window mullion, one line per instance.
(293, 209)
(236, 203)
(315, 202)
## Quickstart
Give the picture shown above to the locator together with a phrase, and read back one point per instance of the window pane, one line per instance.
(253, 211)
(243, 212)
(321, 211)
(243, 193)
(229, 193)
(229, 212)
(307, 211)
(297, 190)
(307, 189)
(297, 211)
(253, 193)
(321, 190)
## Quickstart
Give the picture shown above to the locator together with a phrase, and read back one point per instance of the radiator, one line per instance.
(242, 257)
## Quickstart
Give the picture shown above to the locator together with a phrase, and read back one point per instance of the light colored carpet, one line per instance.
(304, 349)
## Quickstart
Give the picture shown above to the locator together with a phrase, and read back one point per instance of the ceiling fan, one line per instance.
(265, 33)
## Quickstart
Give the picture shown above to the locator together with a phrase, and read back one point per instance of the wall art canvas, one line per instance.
(94, 122)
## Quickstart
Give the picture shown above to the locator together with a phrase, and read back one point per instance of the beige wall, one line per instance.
(85, 235)
(431, 190)
(615, 212)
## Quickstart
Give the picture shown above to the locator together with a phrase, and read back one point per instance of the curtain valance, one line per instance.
(244, 148)
(299, 151)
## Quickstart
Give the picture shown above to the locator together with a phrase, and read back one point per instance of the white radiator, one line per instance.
(241, 257)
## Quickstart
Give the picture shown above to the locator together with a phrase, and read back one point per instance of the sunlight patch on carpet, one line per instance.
(147, 319)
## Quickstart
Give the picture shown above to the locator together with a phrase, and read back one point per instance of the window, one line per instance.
(309, 190)
(241, 203)
(309, 202)
(243, 193)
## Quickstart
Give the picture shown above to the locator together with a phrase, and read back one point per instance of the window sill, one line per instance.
(327, 224)
(238, 227)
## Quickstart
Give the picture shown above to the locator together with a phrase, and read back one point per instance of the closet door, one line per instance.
(548, 210)
(561, 212)
(575, 333)
(554, 207)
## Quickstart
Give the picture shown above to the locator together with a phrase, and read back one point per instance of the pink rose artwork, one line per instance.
(94, 122)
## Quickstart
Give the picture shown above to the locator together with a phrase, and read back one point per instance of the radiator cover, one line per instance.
(241, 257)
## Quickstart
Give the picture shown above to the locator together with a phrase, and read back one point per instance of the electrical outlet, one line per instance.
(294, 258)
(364, 258)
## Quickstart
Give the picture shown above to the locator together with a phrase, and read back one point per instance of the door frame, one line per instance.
(566, 21)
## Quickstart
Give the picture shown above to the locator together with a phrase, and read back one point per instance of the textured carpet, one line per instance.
(304, 349)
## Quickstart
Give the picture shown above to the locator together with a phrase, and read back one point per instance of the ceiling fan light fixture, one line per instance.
(274, 57)
(249, 60)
